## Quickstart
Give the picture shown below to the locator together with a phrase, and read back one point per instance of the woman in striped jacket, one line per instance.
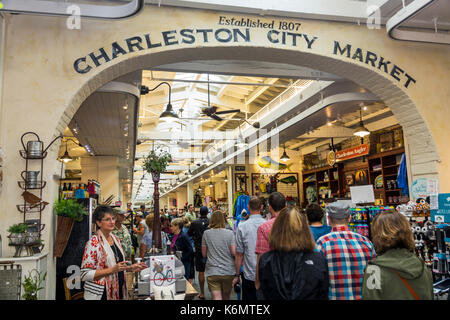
(103, 266)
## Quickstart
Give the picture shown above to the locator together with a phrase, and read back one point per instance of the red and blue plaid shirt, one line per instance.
(347, 254)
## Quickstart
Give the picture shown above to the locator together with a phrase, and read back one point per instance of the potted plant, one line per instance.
(17, 233)
(155, 163)
(32, 284)
(68, 211)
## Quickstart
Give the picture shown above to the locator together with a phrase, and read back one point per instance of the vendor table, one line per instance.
(190, 294)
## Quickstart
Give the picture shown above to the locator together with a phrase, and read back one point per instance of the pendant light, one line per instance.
(284, 156)
(66, 158)
(210, 184)
(189, 172)
(361, 131)
(168, 114)
(240, 142)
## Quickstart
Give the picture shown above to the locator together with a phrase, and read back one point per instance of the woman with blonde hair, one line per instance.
(292, 270)
(219, 248)
(396, 273)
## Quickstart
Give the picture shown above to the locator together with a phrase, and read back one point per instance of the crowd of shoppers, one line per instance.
(290, 254)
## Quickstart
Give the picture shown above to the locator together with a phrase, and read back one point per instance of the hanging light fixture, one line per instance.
(284, 156)
(226, 179)
(210, 184)
(168, 114)
(361, 131)
(66, 158)
(240, 142)
(189, 172)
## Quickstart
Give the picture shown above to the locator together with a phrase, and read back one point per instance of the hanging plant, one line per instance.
(70, 208)
(156, 161)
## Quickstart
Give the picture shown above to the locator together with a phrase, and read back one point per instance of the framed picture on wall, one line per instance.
(286, 183)
(240, 182)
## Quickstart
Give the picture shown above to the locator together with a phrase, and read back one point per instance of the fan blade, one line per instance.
(216, 117)
(228, 111)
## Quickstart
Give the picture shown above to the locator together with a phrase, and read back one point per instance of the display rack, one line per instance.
(386, 165)
(33, 204)
(326, 178)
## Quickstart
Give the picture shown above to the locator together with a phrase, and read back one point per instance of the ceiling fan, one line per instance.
(212, 111)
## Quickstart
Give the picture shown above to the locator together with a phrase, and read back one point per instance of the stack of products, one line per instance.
(361, 218)
(80, 190)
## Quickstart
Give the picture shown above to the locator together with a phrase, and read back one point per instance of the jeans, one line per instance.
(248, 290)
(187, 270)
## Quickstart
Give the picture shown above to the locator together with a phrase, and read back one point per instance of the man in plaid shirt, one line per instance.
(347, 254)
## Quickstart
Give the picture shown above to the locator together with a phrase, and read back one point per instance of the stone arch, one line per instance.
(423, 152)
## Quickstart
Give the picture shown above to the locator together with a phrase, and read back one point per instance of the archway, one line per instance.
(422, 150)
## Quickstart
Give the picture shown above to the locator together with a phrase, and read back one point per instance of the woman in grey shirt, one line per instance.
(218, 247)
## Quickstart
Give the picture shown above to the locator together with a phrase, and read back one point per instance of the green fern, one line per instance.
(18, 228)
(70, 208)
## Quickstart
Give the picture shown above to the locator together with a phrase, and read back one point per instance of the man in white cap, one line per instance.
(347, 254)
(121, 232)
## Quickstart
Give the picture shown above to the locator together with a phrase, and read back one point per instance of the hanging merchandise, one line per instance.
(236, 196)
(197, 200)
(241, 205)
(402, 177)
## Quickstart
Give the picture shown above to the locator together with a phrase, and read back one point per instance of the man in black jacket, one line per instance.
(196, 232)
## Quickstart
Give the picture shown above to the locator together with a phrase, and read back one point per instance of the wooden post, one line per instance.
(156, 238)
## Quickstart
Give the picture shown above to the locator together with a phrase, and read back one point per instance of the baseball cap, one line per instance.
(338, 210)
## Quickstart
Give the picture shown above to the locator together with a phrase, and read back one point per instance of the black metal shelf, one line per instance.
(27, 208)
(24, 154)
(40, 185)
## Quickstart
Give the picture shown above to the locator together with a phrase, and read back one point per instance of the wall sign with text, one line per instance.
(351, 153)
(235, 31)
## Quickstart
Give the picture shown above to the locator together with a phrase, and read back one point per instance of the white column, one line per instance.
(230, 193)
(190, 192)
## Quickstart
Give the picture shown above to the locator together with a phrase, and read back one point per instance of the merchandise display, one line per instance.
(362, 217)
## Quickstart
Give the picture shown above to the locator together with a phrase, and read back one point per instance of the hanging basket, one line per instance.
(63, 230)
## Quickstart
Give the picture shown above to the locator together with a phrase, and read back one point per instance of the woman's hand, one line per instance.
(121, 266)
(138, 267)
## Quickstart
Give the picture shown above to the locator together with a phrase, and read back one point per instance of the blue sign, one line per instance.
(442, 214)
